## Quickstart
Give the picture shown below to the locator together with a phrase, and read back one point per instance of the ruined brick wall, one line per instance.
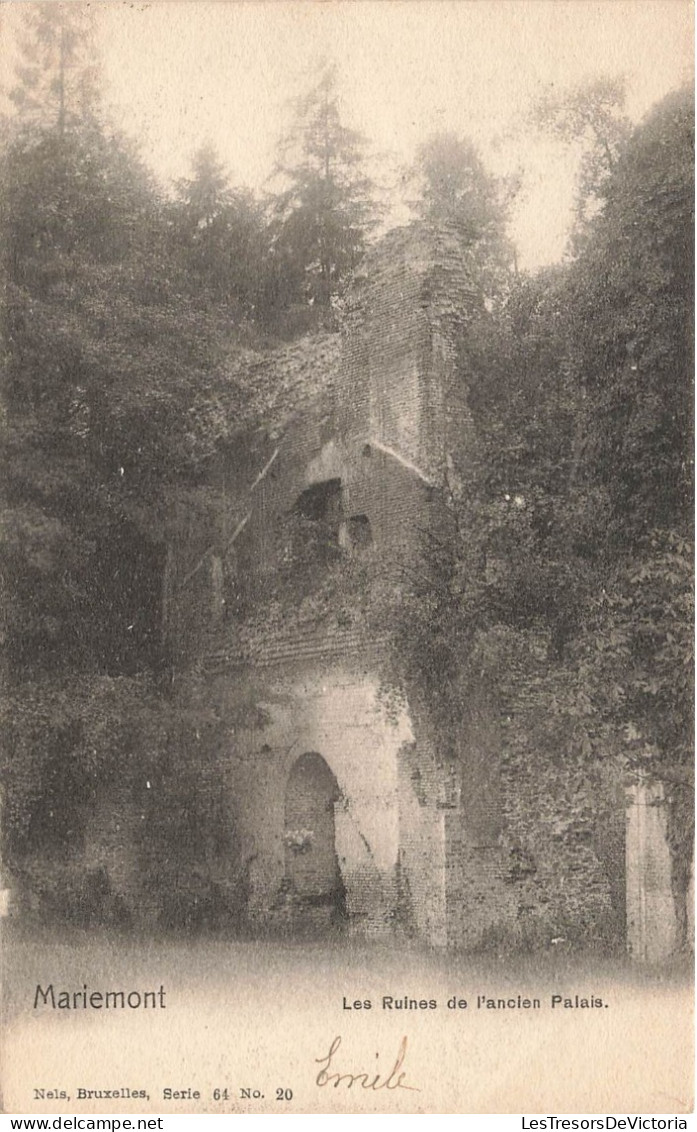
(423, 842)
(379, 431)
(404, 312)
(335, 712)
(375, 416)
(488, 847)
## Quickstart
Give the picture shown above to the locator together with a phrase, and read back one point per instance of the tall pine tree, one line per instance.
(324, 212)
(218, 236)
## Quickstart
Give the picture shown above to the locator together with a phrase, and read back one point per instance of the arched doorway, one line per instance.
(313, 882)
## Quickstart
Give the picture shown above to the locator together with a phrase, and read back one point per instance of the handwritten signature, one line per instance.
(393, 1080)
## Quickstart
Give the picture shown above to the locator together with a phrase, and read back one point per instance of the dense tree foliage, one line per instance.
(324, 211)
(218, 238)
(455, 188)
(105, 365)
(110, 374)
(589, 118)
(58, 78)
(564, 565)
(567, 567)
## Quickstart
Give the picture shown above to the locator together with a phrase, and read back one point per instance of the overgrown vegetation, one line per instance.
(565, 577)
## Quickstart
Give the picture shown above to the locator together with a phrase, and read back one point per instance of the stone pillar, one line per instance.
(691, 908)
(651, 918)
(5, 894)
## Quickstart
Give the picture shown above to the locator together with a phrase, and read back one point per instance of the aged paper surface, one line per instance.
(390, 986)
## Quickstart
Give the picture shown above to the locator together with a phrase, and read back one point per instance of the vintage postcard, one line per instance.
(347, 561)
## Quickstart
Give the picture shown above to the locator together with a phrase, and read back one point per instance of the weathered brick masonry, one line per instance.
(375, 438)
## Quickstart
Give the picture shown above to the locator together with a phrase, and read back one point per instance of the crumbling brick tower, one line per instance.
(345, 812)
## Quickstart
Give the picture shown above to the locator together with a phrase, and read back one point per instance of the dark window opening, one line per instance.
(318, 512)
(360, 535)
(321, 502)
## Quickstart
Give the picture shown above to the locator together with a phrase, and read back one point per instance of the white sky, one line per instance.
(181, 72)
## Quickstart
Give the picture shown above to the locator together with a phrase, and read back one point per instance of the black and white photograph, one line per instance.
(346, 754)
